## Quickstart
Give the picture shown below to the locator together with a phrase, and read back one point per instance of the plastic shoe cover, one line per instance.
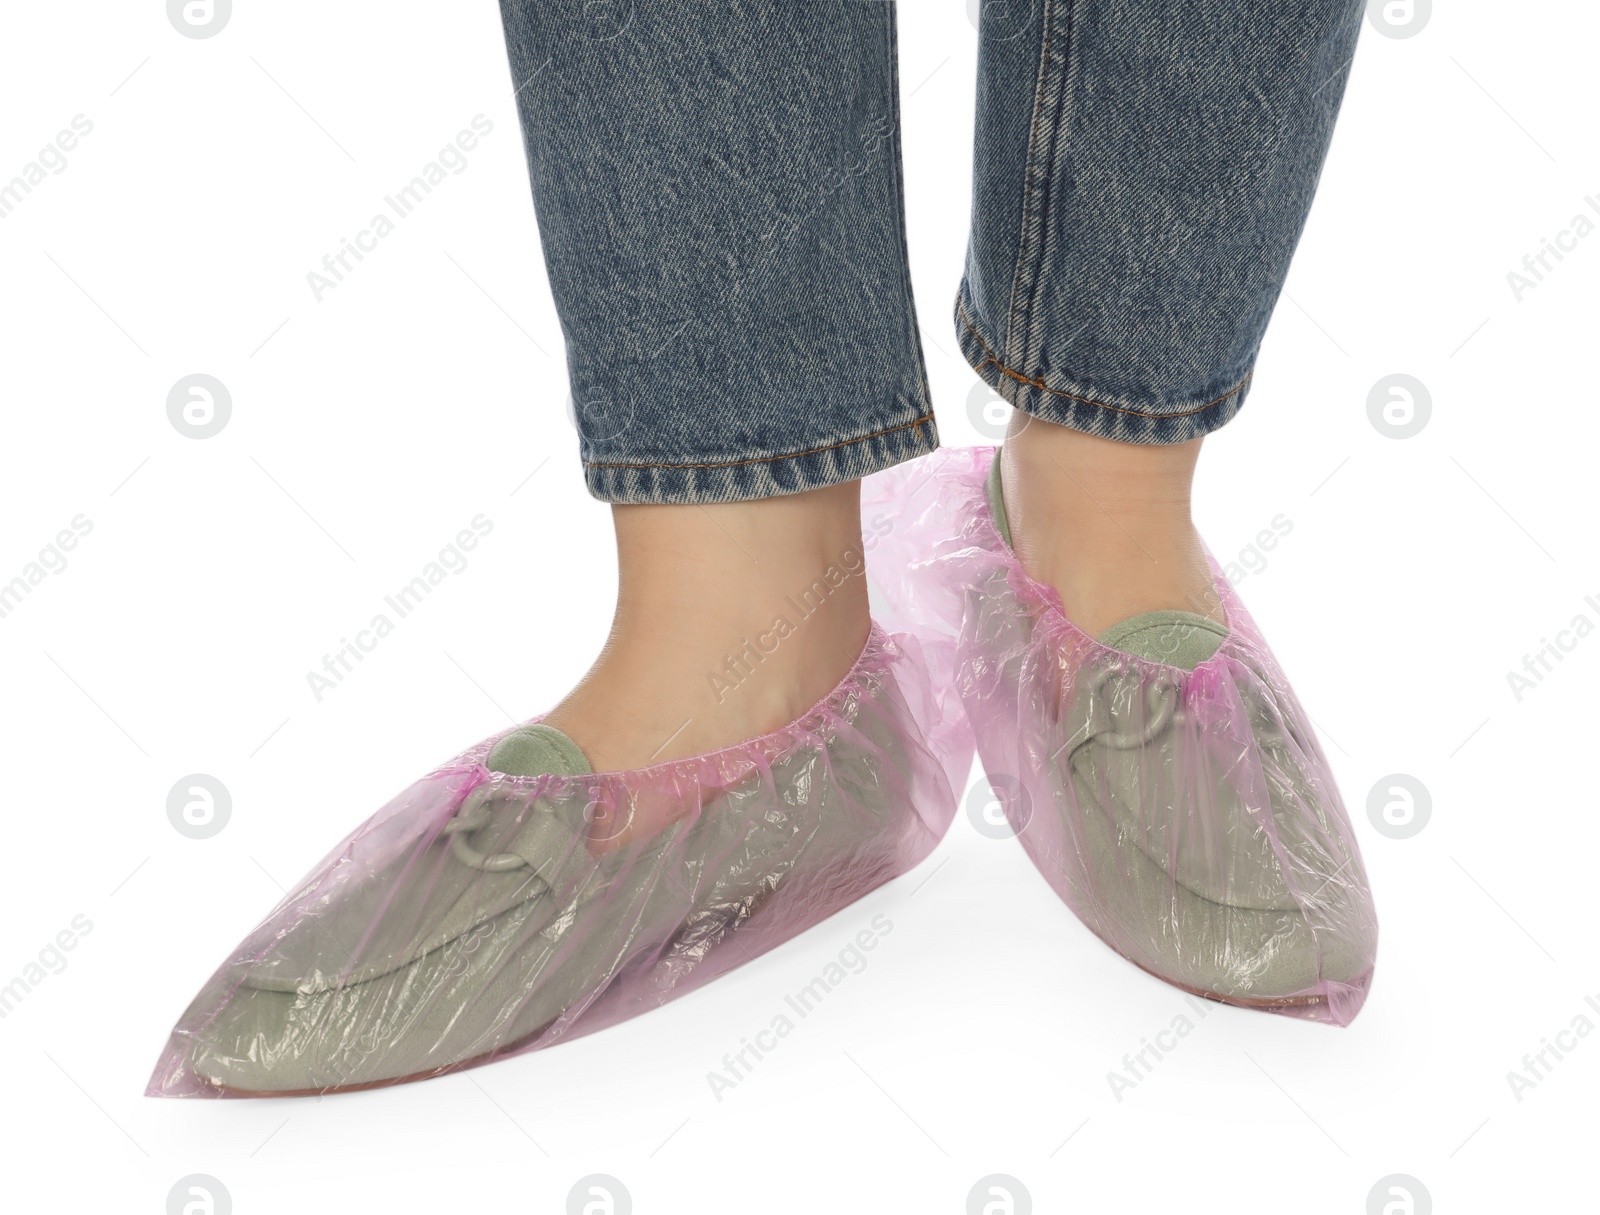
(479, 915)
(1189, 818)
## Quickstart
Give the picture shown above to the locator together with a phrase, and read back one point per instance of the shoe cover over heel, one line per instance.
(479, 915)
(1187, 817)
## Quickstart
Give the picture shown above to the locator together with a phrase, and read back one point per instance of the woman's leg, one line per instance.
(1142, 176)
(719, 197)
(1143, 173)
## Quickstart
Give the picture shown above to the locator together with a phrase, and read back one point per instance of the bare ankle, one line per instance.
(1106, 523)
(731, 621)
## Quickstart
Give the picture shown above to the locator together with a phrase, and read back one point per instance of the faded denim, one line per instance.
(719, 196)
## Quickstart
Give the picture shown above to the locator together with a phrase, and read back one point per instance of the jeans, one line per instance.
(719, 196)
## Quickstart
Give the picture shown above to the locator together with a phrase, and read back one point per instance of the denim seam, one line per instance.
(774, 459)
(1042, 136)
(1027, 174)
(1039, 384)
(1028, 342)
(897, 172)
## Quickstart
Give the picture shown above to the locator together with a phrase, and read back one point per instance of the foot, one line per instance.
(1190, 820)
(731, 621)
(471, 918)
(1106, 524)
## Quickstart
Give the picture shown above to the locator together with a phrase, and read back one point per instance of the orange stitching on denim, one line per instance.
(1056, 392)
(927, 417)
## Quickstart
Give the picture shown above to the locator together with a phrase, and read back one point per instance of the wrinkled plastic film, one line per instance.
(1188, 818)
(479, 915)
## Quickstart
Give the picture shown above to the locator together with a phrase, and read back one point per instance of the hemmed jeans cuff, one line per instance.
(1054, 399)
(763, 476)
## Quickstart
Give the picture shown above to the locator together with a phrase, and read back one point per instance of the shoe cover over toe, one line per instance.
(481, 914)
(1188, 817)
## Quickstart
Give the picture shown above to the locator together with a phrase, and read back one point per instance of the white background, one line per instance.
(428, 388)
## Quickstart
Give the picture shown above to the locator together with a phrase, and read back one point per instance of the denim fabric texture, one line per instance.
(1142, 173)
(719, 196)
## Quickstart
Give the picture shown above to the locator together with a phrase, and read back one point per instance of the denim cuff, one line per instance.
(766, 475)
(1059, 399)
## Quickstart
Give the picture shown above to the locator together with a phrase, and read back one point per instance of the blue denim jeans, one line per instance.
(719, 195)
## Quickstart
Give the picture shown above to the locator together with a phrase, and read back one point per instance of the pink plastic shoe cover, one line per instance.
(479, 915)
(1188, 817)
